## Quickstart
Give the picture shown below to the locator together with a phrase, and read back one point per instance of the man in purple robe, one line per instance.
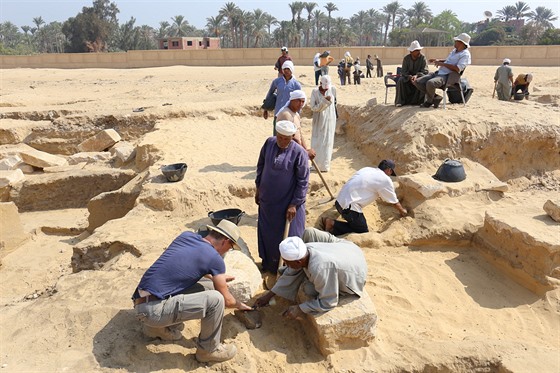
(282, 182)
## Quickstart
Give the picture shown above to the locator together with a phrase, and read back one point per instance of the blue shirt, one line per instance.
(283, 89)
(460, 59)
(186, 260)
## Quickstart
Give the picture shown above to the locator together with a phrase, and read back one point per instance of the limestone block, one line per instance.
(89, 157)
(349, 325)
(41, 159)
(518, 239)
(248, 278)
(54, 169)
(101, 141)
(552, 208)
(26, 168)
(115, 204)
(10, 163)
(424, 184)
(14, 131)
(10, 177)
(125, 153)
(11, 229)
(70, 189)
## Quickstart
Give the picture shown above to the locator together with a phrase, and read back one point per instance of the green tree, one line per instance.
(491, 36)
(309, 7)
(230, 13)
(420, 13)
(521, 10)
(330, 7)
(447, 21)
(391, 10)
(163, 30)
(550, 37)
(92, 28)
(507, 13)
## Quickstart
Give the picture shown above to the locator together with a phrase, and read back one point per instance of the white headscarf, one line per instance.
(293, 248)
(288, 65)
(295, 95)
(347, 54)
(286, 128)
(325, 81)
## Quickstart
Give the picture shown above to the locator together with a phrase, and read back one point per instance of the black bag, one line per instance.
(451, 171)
(454, 95)
(269, 102)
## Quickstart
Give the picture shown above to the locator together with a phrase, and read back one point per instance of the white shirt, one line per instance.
(364, 187)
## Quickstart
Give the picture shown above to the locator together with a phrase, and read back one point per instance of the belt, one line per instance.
(149, 298)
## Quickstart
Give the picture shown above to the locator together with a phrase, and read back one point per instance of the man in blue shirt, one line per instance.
(457, 61)
(188, 282)
(283, 86)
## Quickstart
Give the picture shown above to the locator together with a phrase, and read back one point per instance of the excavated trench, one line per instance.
(376, 131)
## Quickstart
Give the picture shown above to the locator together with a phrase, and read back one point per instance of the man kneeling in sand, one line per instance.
(173, 290)
(327, 266)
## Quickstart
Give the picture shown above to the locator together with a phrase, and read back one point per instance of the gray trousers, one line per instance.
(200, 301)
(429, 83)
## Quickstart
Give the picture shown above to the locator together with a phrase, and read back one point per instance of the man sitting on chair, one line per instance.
(457, 61)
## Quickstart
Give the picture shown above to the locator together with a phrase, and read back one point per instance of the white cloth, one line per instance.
(316, 65)
(364, 187)
(286, 128)
(292, 248)
(288, 65)
(323, 126)
(298, 94)
(325, 81)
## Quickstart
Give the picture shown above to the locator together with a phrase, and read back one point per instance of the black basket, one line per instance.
(174, 172)
(233, 215)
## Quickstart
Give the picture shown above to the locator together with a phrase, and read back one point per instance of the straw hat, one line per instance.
(229, 230)
(464, 38)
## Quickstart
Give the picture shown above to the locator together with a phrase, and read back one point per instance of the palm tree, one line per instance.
(230, 12)
(521, 10)
(259, 24)
(330, 7)
(420, 13)
(309, 9)
(214, 25)
(357, 23)
(507, 12)
(163, 29)
(391, 10)
(542, 19)
(179, 26)
(270, 20)
(318, 15)
(38, 21)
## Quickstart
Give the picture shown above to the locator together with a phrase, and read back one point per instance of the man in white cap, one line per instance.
(503, 80)
(175, 289)
(280, 61)
(290, 112)
(281, 188)
(414, 66)
(456, 62)
(328, 267)
(282, 86)
(322, 102)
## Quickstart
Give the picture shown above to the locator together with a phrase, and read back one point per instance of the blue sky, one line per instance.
(151, 12)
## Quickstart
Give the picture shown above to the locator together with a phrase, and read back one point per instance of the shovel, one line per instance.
(281, 262)
(324, 183)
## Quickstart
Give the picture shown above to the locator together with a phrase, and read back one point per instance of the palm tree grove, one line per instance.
(97, 29)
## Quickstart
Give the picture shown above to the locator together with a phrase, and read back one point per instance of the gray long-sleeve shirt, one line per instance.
(333, 268)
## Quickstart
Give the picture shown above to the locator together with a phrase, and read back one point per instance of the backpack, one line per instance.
(269, 102)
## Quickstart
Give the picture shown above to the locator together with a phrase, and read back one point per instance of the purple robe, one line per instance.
(282, 180)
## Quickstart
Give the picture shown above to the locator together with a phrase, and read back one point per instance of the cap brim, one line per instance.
(393, 172)
(225, 234)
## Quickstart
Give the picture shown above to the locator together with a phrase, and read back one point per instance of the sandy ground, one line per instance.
(441, 306)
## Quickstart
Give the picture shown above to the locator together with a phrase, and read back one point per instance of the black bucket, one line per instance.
(450, 171)
(233, 215)
(174, 172)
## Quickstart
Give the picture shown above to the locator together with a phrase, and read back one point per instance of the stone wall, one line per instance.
(527, 55)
